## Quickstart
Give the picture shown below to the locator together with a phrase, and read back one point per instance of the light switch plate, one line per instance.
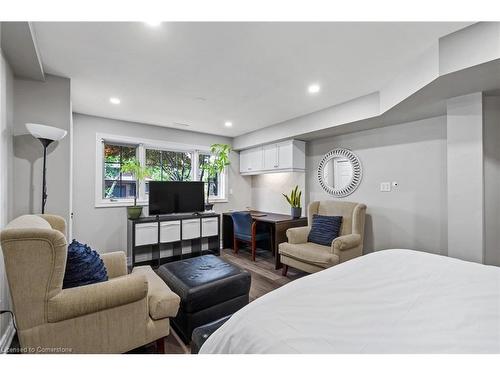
(385, 186)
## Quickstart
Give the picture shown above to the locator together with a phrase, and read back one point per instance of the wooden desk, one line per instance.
(278, 224)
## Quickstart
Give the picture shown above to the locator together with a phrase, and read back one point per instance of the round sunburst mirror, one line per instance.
(340, 172)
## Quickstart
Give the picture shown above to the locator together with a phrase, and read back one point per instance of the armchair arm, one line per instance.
(56, 222)
(346, 242)
(88, 299)
(116, 263)
(297, 235)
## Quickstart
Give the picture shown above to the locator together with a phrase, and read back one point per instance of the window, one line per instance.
(166, 161)
(118, 184)
(213, 182)
(169, 165)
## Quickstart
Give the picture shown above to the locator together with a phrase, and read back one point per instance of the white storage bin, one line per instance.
(143, 255)
(204, 244)
(186, 248)
(209, 226)
(146, 234)
(170, 231)
(190, 229)
(166, 253)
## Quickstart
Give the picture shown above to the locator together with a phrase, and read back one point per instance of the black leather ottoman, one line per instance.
(209, 287)
(202, 333)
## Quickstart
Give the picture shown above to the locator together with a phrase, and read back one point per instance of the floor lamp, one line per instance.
(46, 135)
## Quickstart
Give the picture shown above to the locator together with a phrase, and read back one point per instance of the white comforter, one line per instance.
(392, 301)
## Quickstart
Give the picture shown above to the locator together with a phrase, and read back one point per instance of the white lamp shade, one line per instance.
(47, 132)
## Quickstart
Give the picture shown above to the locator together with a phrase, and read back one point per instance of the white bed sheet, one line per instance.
(391, 301)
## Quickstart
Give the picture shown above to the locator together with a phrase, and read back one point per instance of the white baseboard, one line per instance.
(7, 337)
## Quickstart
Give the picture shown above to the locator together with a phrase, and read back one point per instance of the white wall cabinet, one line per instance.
(287, 156)
(270, 155)
(251, 160)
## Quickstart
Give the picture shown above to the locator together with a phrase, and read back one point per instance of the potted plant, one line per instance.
(215, 165)
(294, 202)
(140, 173)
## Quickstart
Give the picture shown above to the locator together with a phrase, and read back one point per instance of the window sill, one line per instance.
(218, 200)
(129, 202)
(119, 203)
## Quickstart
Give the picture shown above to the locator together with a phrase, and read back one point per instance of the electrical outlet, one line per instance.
(385, 186)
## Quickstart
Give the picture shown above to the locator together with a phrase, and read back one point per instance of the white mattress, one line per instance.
(392, 301)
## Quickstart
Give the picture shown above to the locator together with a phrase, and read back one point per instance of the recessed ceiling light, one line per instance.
(228, 124)
(153, 23)
(314, 88)
(115, 100)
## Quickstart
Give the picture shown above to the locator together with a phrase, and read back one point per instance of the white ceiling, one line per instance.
(203, 74)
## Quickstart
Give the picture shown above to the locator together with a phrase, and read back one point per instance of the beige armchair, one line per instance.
(310, 257)
(123, 313)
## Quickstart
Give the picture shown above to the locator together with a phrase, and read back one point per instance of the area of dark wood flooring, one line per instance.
(264, 277)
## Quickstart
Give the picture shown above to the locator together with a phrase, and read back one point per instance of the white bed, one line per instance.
(392, 301)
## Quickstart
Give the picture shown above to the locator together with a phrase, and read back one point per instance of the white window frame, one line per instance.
(142, 144)
(222, 183)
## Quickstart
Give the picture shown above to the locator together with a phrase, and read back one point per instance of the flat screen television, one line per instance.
(168, 197)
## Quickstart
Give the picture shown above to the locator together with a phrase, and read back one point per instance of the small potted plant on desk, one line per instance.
(213, 166)
(140, 173)
(294, 202)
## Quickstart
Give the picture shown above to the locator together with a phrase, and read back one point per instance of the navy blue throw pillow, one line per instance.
(324, 229)
(83, 266)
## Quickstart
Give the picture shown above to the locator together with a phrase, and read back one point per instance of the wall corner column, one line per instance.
(465, 177)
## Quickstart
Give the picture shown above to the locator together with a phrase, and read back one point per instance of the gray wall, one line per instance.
(465, 177)
(45, 103)
(413, 215)
(491, 148)
(106, 228)
(267, 191)
(6, 169)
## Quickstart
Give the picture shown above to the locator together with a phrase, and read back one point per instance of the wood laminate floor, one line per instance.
(264, 277)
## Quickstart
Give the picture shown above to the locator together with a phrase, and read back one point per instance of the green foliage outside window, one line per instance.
(211, 166)
(139, 172)
(123, 172)
(169, 165)
(116, 183)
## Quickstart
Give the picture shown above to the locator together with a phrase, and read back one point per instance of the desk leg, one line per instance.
(276, 241)
(227, 232)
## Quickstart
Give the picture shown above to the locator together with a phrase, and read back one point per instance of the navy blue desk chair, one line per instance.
(245, 230)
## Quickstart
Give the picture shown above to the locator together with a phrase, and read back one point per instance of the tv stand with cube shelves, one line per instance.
(160, 239)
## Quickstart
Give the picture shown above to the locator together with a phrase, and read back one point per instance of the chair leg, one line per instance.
(160, 346)
(284, 270)
(271, 240)
(254, 239)
(254, 249)
(235, 245)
